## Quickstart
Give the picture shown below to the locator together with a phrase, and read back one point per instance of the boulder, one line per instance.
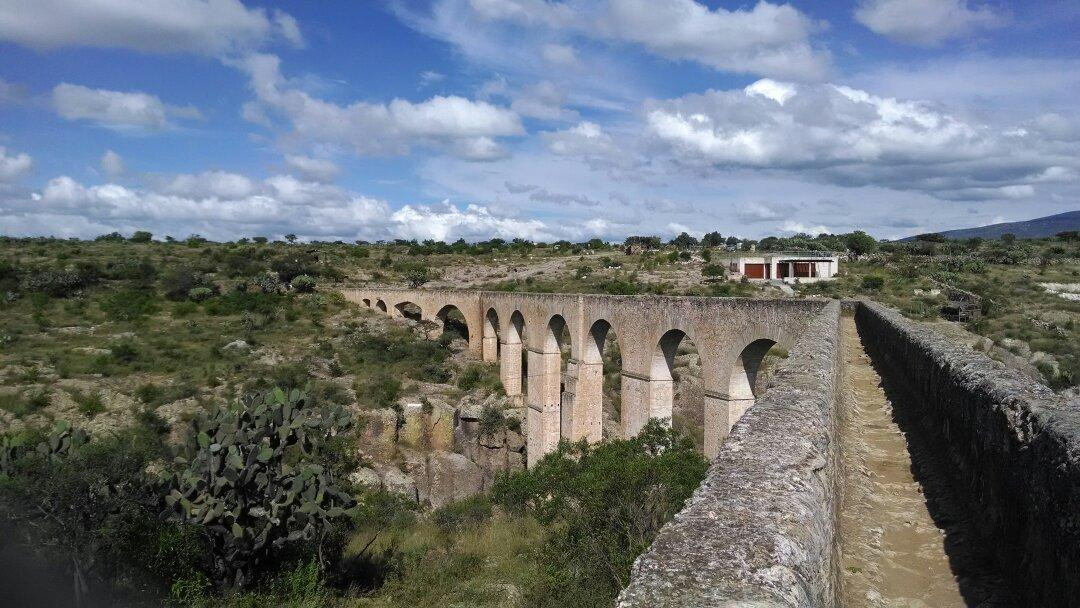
(365, 476)
(379, 434)
(451, 477)
(396, 482)
(412, 429)
(237, 345)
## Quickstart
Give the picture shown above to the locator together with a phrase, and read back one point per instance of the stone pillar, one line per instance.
(635, 404)
(721, 414)
(491, 349)
(568, 401)
(588, 417)
(510, 369)
(543, 404)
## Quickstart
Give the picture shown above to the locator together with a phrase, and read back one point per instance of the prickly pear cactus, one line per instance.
(62, 441)
(246, 475)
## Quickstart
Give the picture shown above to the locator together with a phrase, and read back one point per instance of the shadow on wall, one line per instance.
(980, 582)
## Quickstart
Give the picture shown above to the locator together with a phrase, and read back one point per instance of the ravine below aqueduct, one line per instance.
(997, 455)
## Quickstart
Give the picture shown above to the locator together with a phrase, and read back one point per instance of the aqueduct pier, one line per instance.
(762, 529)
(564, 400)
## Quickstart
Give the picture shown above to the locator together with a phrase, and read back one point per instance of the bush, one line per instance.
(380, 391)
(89, 505)
(873, 282)
(603, 505)
(249, 478)
(58, 283)
(128, 304)
(141, 236)
(267, 282)
(294, 264)
(304, 283)
(178, 282)
(713, 270)
(200, 294)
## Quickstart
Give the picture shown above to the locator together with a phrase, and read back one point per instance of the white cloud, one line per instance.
(13, 166)
(430, 77)
(112, 164)
(222, 205)
(847, 136)
(447, 222)
(543, 100)
(315, 169)
(452, 122)
(925, 22)
(770, 39)
(799, 227)
(158, 26)
(115, 109)
(585, 139)
(209, 184)
(561, 55)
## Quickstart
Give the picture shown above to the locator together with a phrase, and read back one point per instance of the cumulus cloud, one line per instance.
(223, 205)
(314, 169)
(769, 39)
(925, 22)
(849, 137)
(800, 228)
(561, 55)
(544, 100)
(13, 166)
(112, 164)
(451, 122)
(585, 139)
(157, 26)
(116, 109)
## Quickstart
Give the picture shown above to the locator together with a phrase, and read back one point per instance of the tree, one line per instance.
(1008, 238)
(417, 276)
(712, 239)
(291, 238)
(860, 243)
(259, 239)
(141, 236)
(731, 241)
(684, 241)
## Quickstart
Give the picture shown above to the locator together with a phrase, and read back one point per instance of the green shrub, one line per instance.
(456, 516)
(294, 264)
(249, 477)
(27, 402)
(141, 236)
(380, 391)
(304, 283)
(200, 294)
(236, 302)
(128, 304)
(873, 282)
(267, 282)
(89, 403)
(177, 282)
(713, 270)
(603, 505)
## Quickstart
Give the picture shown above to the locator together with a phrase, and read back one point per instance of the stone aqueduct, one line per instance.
(564, 400)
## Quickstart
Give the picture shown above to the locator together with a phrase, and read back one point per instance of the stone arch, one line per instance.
(450, 317)
(678, 396)
(367, 302)
(408, 310)
(490, 346)
(380, 305)
(594, 394)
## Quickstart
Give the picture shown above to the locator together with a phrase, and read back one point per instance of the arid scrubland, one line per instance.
(125, 361)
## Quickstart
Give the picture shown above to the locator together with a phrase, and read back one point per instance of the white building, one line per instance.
(787, 266)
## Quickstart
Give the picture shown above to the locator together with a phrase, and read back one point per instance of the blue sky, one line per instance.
(540, 119)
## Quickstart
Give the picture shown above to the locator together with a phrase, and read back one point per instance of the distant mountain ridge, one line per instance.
(1030, 229)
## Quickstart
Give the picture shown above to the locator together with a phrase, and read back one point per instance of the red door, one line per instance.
(755, 271)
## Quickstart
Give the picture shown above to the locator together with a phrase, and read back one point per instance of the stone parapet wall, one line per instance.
(760, 530)
(1013, 446)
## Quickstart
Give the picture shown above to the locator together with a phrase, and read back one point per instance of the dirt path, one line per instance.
(892, 553)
